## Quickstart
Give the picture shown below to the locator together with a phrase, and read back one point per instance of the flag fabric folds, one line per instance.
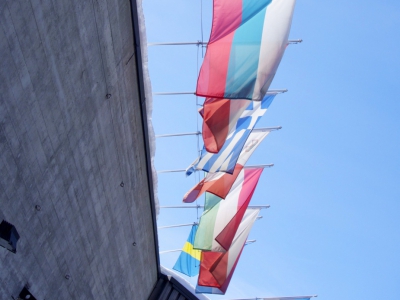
(222, 116)
(247, 42)
(220, 183)
(189, 260)
(219, 118)
(216, 268)
(221, 218)
(242, 140)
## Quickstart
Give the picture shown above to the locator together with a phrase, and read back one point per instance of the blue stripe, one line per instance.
(242, 124)
(251, 8)
(233, 155)
(244, 58)
(208, 290)
(192, 234)
(187, 265)
(267, 100)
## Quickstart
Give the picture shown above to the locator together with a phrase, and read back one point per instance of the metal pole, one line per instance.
(248, 242)
(267, 128)
(246, 167)
(198, 132)
(269, 92)
(168, 251)
(278, 298)
(202, 206)
(174, 93)
(180, 225)
(198, 43)
(177, 43)
(178, 134)
(179, 250)
(190, 224)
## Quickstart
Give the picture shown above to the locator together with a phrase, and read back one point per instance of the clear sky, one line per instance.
(333, 228)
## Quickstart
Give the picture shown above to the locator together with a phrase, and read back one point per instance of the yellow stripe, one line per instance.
(188, 248)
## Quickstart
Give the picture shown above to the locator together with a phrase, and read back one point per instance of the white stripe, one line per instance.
(241, 236)
(251, 144)
(236, 109)
(227, 210)
(273, 43)
(225, 165)
(254, 114)
(213, 176)
(224, 155)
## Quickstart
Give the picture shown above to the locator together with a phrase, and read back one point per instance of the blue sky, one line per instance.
(333, 228)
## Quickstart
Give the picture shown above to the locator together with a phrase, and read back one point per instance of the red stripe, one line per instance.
(212, 78)
(208, 259)
(221, 278)
(227, 17)
(251, 176)
(219, 187)
(215, 113)
(223, 185)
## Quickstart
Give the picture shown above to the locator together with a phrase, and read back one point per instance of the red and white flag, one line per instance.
(216, 268)
(221, 219)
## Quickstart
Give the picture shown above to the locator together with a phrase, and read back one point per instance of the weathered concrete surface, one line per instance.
(67, 147)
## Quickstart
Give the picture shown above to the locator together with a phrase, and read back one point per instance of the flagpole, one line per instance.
(248, 242)
(202, 206)
(190, 224)
(173, 93)
(198, 132)
(269, 92)
(287, 298)
(246, 167)
(168, 251)
(180, 225)
(199, 43)
(178, 134)
(278, 298)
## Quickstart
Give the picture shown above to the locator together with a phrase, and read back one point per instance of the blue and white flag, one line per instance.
(225, 160)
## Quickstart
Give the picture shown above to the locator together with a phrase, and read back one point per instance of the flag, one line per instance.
(246, 45)
(222, 116)
(208, 290)
(219, 118)
(217, 268)
(221, 219)
(189, 260)
(220, 183)
(243, 140)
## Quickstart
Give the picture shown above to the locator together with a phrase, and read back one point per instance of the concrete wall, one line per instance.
(67, 146)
